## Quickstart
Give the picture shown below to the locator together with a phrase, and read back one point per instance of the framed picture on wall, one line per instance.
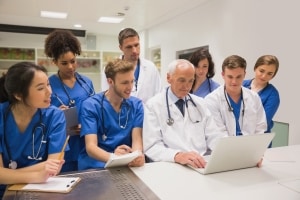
(186, 53)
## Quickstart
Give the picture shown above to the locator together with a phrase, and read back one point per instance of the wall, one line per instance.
(247, 28)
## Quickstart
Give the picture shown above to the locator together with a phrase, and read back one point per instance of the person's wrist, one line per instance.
(176, 156)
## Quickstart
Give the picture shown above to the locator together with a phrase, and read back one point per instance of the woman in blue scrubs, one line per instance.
(69, 88)
(265, 69)
(112, 120)
(31, 131)
(204, 72)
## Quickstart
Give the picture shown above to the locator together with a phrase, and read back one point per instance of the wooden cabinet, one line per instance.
(88, 61)
(9, 56)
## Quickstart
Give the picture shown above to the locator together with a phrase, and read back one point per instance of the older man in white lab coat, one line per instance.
(175, 136)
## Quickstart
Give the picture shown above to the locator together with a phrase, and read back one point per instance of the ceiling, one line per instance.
(139, 14)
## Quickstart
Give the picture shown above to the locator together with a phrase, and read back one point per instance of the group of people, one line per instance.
(179, 123)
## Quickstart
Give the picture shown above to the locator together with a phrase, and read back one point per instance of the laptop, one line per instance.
(236, 152)
(71, 116)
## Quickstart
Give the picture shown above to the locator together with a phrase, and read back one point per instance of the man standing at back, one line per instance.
(147, 78)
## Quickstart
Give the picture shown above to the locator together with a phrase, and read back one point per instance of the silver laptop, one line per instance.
(71, 116)
(236, 152)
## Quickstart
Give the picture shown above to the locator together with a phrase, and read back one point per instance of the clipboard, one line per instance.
(122, 160)
(71, 116)
(54, 184)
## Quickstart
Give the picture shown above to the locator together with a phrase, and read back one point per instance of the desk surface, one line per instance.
(171, 181)
(113, 184)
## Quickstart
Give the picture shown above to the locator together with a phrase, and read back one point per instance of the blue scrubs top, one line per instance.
(117, 129)
(21, 144)
(270, 99)
(83, 88)
(206, 87)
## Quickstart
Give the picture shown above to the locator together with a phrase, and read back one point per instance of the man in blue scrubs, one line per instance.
(112, 120)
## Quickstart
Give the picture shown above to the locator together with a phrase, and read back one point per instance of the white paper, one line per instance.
(53, 184)
(122, 160)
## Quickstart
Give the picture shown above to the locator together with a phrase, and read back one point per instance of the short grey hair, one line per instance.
(177, 63)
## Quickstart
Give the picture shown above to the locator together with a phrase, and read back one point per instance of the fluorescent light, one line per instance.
(77, 25)
(57, 15)
(110, 19)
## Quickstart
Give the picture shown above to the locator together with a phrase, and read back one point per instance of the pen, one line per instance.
(63, 149)
(60, 101)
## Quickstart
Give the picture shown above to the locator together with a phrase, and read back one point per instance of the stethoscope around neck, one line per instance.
(122, 126)
(35, 155)
(170, 120)
(90, 91)
(230, 108)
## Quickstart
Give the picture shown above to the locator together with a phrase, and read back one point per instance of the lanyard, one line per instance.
(137, 73)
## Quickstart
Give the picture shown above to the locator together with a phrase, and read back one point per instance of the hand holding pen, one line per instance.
(122, 149)
(62, 106)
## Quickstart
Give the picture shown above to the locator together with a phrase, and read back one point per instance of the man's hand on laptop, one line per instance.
(259, 164)
(190, 158)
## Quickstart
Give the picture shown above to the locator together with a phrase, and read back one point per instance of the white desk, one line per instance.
(171, 181)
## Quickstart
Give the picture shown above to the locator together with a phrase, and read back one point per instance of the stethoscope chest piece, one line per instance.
(12, 164)
(170, 121)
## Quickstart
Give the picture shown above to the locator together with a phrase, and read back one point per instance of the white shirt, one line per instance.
(162, 142)
(149, 82)
(253, 121)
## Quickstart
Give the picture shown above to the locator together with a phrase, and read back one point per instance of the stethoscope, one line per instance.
(170, 120)
(90, 91)
(35, 156)
(230, 108)
(122, 126)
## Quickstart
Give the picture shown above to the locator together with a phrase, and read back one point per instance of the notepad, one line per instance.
(53, 184)
(122, 160)
(71, 116)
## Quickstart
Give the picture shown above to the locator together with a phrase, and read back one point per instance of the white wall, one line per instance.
(249, 29)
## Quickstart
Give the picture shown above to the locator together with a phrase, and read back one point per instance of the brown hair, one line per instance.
(201, 54)
(117, 66)
(267, 60)
(126, 33)
(234, 61)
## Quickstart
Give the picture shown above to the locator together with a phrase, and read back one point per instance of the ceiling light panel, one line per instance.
(56, 15)
(114, 20)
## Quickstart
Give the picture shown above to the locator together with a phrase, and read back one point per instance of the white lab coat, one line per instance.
(149, 82)
(161, 141)
(253, 121)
